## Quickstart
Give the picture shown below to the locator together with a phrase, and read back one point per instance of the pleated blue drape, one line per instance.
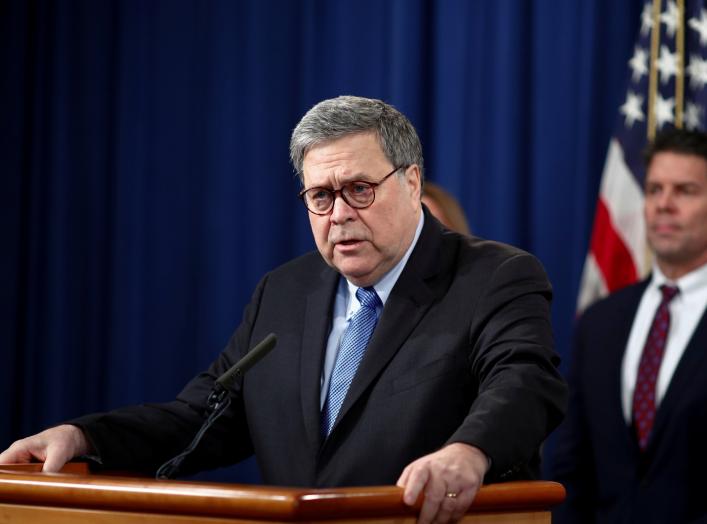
(145, 178)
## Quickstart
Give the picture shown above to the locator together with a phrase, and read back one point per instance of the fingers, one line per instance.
(55, 461)
(57, 455)
(437, 506)
(463, 501)
(55, 447)
(402, 481)
(413, 480)
(418, 477)
(449, 479)
(446, 500)
(17, 453)
(62, 443)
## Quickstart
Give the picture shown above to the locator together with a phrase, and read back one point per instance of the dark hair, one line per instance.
(677, 141)
(346, 115)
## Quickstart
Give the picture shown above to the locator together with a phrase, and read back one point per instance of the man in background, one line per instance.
(633, 446)
(407, 353)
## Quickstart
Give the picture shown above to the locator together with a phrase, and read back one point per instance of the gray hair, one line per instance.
(347, 115)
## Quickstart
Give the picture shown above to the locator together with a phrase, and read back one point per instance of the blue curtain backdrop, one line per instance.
(145, 178)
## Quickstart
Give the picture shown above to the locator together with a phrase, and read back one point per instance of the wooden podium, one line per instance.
(75, 496)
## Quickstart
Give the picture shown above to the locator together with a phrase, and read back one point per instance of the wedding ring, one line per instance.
(451, 495)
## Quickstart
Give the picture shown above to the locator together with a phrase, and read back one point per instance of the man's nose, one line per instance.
(341, 212)
(666, 199)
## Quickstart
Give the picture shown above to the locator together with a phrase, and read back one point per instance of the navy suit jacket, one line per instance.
(462, 352)
(597, 455)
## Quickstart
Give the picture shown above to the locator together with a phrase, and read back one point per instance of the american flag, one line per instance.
(660, 93)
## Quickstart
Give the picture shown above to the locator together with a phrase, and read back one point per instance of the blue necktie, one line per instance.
(353, 346)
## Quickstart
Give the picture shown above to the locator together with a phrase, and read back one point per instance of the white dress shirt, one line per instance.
(686, 310)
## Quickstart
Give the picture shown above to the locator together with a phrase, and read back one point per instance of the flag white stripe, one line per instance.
(623, 198)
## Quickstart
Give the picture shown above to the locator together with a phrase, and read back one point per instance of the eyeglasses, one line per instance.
(358, 194)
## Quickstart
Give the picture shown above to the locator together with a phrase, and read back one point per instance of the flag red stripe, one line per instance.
(613, 258)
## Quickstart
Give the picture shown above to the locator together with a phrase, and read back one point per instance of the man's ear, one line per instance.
(413, 179)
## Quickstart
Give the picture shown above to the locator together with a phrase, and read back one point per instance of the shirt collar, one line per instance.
(385, 285)
(694, 281)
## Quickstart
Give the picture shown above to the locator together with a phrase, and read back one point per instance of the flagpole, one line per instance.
(653, 79)
(680, 75)
(652, 90)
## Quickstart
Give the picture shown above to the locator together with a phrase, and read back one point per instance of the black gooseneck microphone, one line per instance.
(217, 402)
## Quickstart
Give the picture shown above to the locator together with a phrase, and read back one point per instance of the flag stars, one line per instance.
(667, 64)
(697, 71)
(639, 63)
(664, 110)
(700, 26)
(646, 19)
(693, 116)
(631, 109)
(670, 18)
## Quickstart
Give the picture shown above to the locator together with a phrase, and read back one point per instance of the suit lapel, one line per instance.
(317, 324)
(690, 363)
(622, 328)
(407, 304)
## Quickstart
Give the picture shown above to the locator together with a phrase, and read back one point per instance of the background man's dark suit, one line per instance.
(598, 458)
(462, 352)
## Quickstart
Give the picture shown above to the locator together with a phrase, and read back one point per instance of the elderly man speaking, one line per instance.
(407, 353)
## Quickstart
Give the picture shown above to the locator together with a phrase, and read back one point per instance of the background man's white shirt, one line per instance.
(686, 310)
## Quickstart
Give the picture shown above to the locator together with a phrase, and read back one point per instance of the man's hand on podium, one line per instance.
(449, 479)
(55, 447)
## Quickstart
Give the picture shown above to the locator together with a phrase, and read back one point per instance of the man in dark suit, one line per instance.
(632, 448)
(405, 351)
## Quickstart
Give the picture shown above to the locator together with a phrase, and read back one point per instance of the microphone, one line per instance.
(220, 392)
(218, 400)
